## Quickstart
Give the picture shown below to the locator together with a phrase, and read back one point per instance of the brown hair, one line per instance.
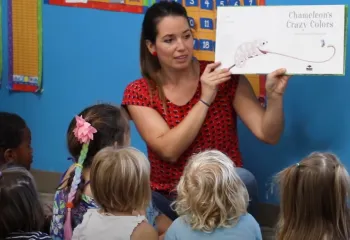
(111, 123)
(20, 207)
(210, 193)
(314, 194)
(150, 66)
(120, 179)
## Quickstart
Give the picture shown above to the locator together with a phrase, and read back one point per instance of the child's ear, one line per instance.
(10, 155)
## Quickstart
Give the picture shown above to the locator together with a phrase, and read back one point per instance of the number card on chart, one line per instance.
(202, 17)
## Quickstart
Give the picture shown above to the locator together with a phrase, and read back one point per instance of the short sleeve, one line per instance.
(137, 93)
(171, 232)
(79, 230)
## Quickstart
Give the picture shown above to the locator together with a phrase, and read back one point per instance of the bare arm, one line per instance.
(163, 223)
(168, 143)
(267, 125)
(144, 231)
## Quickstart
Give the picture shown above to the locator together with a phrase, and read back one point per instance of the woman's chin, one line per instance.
(181, 65)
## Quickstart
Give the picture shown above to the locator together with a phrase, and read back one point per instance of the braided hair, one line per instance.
(109, 125)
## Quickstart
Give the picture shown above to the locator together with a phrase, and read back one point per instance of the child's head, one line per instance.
(15, 141)
(120, 180)
(21, 209)
(94, 128)
(314, 194)
(210, 193)
(112, 127)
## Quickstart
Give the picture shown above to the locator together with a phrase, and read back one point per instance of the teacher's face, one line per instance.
(174, 42)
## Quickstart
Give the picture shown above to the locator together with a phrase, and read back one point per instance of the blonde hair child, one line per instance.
(120, 184)
(212, 202)
(314, 195)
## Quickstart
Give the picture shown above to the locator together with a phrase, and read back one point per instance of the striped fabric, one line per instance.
(29, 236)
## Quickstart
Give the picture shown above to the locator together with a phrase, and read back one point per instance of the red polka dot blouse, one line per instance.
(219, 130)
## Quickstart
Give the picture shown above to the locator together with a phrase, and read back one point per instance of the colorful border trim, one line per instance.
(40, 44)
(116, 7)
(10, 45)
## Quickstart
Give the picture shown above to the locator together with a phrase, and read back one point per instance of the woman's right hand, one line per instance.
(210, 80)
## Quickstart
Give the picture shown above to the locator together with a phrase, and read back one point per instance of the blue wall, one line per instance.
(91, 55)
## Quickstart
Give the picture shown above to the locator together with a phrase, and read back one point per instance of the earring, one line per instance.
(154, 53)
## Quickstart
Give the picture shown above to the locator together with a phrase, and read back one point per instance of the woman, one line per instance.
(181, 107)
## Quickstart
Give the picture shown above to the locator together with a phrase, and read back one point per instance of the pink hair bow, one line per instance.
(83, 131)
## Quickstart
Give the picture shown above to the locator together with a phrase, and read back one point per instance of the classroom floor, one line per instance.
(266, 231)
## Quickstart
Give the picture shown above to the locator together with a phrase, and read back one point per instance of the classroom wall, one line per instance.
(91, 55)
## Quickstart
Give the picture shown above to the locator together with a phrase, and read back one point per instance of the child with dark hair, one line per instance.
(93, 129)
(21, 212)
(15, 141)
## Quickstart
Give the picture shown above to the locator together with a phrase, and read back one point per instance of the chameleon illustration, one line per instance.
(255, 48)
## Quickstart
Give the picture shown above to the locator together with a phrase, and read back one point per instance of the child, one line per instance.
(21, 213)
(212, 202)
(15, 141)
(314, 195)
(120, 198)
(104, 125)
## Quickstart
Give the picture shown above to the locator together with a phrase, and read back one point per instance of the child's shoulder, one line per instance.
(180, 221)
(178, 227)
(144, 231)
(247, 221)
(247, 218)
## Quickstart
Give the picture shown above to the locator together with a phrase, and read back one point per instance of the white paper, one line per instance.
(302, 39)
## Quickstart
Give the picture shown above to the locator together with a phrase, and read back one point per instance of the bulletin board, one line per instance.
(202, 18)
(25, 45)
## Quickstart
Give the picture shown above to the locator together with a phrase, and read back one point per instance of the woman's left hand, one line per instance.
(276, 82)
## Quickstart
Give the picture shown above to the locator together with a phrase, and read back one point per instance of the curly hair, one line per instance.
(210, 193)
